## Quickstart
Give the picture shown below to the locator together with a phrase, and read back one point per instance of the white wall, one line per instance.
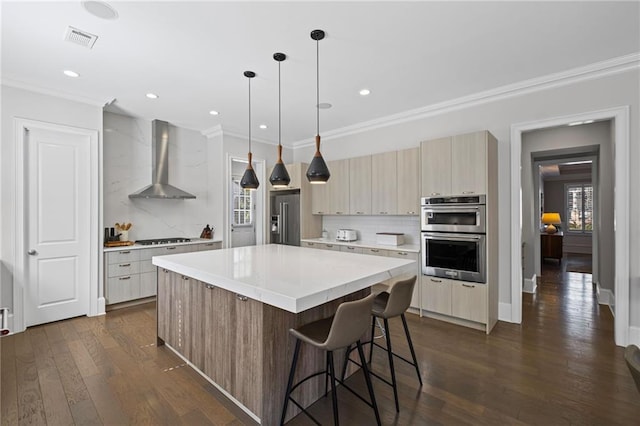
(498, 115)
(127, 169)
(20, 103)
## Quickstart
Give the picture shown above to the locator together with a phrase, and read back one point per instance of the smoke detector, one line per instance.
(80, 37)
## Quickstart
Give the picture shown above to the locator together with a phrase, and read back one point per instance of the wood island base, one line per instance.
(242, 345)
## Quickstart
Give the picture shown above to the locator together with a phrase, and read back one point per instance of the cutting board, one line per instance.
(118, 243)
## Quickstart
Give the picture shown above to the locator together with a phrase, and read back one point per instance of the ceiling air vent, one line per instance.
(80, 37)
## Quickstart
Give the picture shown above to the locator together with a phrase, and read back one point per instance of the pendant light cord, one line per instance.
(279, 109)
(249, 115)
(317, 87)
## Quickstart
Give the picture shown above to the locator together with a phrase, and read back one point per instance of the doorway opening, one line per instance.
(618, 152)
(245, 207)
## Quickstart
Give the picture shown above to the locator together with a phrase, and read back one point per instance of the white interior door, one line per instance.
(58, 230)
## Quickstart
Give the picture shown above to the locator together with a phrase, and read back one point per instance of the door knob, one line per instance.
(32, 252)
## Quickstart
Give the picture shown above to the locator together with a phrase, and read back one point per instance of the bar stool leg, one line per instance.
(334, 396)
(413, 353)
(391, 367)
(346, 361)
(296, 352)
(373, 329)
(326, 375)
(367, 378)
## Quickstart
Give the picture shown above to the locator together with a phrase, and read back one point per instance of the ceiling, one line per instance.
(410, 55)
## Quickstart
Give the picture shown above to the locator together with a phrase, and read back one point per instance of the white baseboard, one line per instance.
(504, 312)
(530, 284)
(606, 297)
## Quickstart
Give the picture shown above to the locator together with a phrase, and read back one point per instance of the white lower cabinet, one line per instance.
(130, 275)
(458, 299)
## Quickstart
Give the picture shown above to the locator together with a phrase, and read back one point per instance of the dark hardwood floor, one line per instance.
(560, 366)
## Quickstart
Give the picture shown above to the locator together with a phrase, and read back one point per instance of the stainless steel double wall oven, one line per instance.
(453, 237)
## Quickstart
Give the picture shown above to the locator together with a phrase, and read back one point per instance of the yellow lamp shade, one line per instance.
(551, 219)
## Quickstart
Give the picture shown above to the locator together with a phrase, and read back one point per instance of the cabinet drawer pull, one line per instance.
(125, 252)
(339, 212)
(351, 248)
(124, 278)
(210, 286)
(320, 212)
(171, 248)
(241, 297)
(435, 193)
(209, 244)
(375, 250)
(124, 265)
(435, 281)
(468, 192)
(402, 253)
(185, 278)
(411, 212)
(166, 271)
(311, 244)
(329, 245)
(468, 285)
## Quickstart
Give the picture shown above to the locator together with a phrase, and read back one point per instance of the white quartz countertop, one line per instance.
(291, 278)
(140, 246)
(365, 244)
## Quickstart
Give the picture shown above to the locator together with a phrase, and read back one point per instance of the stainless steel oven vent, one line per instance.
(160, 187)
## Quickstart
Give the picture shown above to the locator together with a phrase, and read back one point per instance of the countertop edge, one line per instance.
(412, 248)
(194, 241)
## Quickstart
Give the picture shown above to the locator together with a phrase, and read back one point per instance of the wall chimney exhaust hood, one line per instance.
(160, 187)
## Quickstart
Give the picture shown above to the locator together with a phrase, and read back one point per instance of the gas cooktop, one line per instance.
(157, 241)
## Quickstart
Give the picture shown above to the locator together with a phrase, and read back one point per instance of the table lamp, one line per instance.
(551, 219)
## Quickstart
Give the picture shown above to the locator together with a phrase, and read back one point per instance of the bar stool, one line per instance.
(340, 331)
(390, 304)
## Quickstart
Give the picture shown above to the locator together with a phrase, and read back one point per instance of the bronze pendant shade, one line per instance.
(318, 172)
(249, 179)
(279, 176)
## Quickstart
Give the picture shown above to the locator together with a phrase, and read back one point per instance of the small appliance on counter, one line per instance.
(346, 235)
(389, 238)
(207, 232)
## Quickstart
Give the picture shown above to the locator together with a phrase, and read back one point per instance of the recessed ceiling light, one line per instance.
(100, 9)
(152, 96)
(70, 73)
(365, 92)
(212, 112)
(588, 121)
(263, 126)
(575, 123)
(324, 105)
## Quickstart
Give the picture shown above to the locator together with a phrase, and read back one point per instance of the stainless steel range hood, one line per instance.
(160, 187)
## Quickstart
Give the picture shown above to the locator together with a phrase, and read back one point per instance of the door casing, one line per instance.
(96, 295)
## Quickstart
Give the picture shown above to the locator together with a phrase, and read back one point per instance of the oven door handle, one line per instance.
(454, 237)
(451, 208)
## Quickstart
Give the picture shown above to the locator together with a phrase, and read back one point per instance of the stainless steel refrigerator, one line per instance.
(285, 218)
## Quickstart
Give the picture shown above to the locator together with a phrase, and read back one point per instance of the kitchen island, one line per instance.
(228, 312)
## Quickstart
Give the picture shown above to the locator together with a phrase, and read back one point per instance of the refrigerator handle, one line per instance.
(284, 209)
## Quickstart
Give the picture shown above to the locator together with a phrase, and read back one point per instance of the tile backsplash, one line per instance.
(368, 226)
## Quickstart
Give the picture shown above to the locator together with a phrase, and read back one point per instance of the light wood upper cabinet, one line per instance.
(384, 183)
(436, 167)
(455, 165)
(469, 164)
(360, 185)
(333, 196)
(295, 173)
(408, 182)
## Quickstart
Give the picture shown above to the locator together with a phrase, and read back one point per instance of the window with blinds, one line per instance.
(579, 213)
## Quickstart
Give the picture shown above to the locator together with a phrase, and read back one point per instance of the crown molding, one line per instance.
(576, 75)
(58, 94)
(218, 130)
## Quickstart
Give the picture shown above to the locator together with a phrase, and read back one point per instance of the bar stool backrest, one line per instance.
(632, 357)
(350, 322)
(399, 297)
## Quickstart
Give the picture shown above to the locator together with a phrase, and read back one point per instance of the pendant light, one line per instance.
(318, 172)
(279, 176)
(249, 179)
